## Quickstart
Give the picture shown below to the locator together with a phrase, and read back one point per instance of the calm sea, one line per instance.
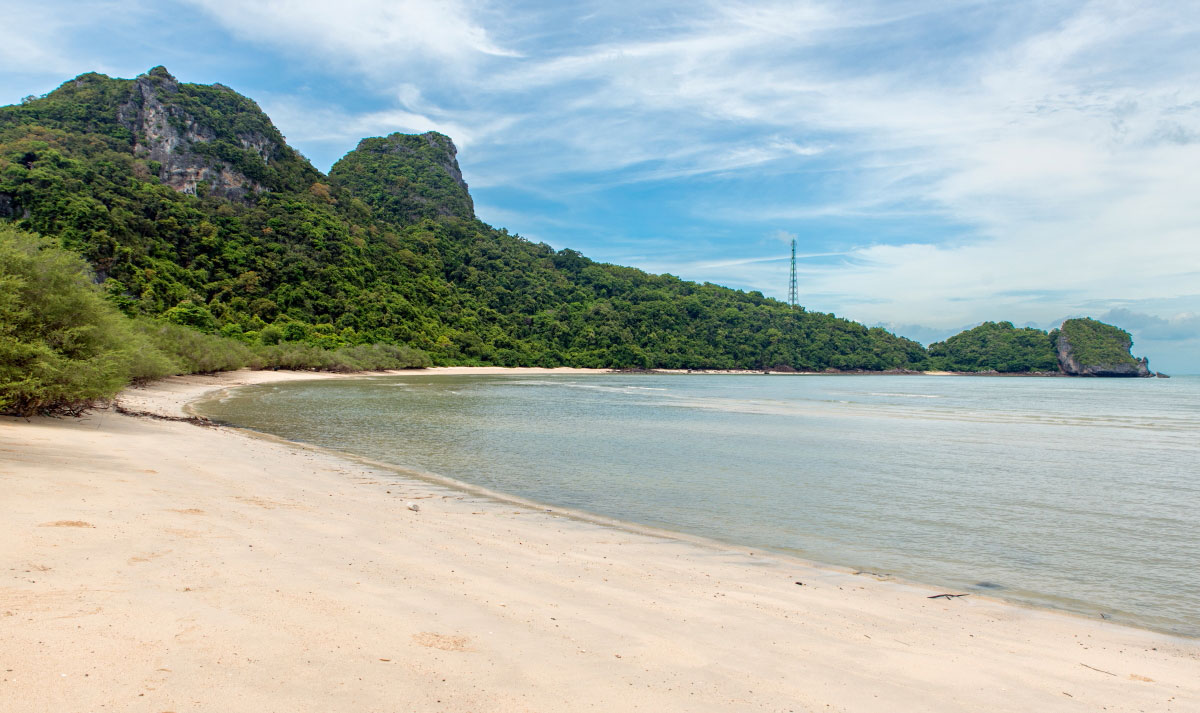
(1081, 494)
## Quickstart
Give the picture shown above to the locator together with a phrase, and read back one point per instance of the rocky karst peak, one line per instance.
(1087, 347)
(407, 176)
(192, 154)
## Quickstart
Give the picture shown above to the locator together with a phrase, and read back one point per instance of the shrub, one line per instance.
(270, 334)
(374, 357)
(294, 355)
(190, 314)
(362, 357)
(62, 345)
(196, 352)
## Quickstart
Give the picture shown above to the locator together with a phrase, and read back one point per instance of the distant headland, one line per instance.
(1079, 347)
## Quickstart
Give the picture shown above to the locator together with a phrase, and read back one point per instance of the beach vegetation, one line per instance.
(62, 345)
(360, 357)
(65, 346)
(193, 351)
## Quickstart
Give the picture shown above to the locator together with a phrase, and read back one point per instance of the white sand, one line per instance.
(161, 566)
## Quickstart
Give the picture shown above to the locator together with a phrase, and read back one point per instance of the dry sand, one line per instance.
(160, 566)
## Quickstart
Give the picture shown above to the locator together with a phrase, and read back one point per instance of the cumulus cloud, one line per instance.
(1183, 326)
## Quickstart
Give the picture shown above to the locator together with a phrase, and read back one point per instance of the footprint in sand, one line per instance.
(442, 641)
(148, 556)
(265, 503)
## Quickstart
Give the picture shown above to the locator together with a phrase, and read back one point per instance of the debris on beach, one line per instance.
(877, 575)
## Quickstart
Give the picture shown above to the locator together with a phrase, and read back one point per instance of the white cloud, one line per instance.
(321, 123)
(41, 39)
(378, 36)
(1182, 326)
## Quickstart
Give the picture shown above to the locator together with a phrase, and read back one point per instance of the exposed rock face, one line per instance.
(418, 174)
(444, 146)
(1070, 364)
(168, 135)
(6, 206)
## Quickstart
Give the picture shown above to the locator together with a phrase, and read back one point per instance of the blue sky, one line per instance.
(940, 164)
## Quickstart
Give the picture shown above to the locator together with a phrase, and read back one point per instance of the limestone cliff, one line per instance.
(408, 177)
(1087, 347)
(169, 135)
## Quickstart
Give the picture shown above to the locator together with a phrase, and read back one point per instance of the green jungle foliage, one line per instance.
(408, 177)
(995, 346)
(1095, 343)
(386, 250)
(62, 345)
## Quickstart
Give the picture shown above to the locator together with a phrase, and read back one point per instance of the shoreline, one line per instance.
(1081, 609)
(748, 372)
(320, 563)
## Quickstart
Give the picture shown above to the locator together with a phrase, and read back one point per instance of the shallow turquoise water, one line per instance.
(1082, 494)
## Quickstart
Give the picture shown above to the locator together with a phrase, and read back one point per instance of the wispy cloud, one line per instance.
(377, 35)
(43, 38)
(756, 260)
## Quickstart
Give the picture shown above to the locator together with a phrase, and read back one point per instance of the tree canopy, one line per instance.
(1094, 343)
(996, 346)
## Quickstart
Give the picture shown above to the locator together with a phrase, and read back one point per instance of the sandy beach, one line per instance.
(158, 565)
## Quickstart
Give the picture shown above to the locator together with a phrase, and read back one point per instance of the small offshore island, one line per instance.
(161, 243)
(1080, 347)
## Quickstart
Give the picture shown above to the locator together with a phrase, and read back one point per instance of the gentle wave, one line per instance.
(875, 409)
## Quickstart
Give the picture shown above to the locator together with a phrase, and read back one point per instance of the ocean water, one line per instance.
(1079, 494)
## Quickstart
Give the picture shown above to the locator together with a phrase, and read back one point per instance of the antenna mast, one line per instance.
(792, 296)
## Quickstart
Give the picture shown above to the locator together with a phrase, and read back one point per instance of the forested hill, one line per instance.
(1079, 347)
(189, 204)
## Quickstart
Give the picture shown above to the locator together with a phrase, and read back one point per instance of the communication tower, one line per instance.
(792, 292)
